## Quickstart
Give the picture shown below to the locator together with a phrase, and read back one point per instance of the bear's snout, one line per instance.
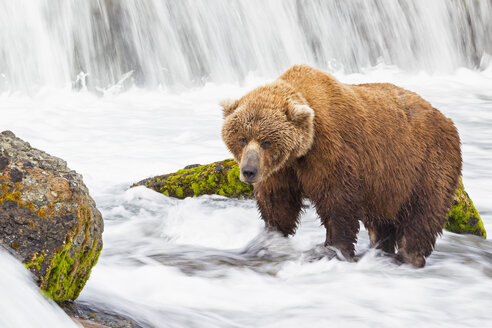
(251, 163)
(249, 172)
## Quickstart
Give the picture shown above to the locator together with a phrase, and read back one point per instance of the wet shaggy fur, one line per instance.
(371, 152)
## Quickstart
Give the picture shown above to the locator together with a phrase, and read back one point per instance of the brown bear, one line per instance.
(371, 152)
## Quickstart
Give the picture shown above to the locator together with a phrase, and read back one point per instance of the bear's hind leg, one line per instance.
(421, 222)
(408, 255)
(424, 215)
(382, 236)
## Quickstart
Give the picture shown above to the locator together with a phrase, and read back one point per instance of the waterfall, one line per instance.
(185, 43)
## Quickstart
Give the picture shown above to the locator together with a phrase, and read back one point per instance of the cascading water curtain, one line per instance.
(189, 42)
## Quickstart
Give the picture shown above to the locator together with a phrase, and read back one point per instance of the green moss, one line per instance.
(463, 217)
(220, 178)
(70, 267)
(195, 186)
(36, 262)
(211, 180)
(68, 273)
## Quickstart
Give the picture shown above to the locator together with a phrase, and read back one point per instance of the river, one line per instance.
(149, 105)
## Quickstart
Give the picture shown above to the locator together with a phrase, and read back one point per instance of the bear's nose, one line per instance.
(249, 172)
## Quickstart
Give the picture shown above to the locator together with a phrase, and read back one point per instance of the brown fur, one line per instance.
(373, 152)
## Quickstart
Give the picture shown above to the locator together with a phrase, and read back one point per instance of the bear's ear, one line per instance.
(300, 114)
(229, 106)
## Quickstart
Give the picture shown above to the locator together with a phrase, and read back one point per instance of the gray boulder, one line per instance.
(47, 218)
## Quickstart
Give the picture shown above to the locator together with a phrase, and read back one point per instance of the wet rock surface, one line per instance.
(47, 218)
(93, 317)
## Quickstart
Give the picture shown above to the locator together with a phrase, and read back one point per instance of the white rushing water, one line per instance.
(206, 262)
(21, 303)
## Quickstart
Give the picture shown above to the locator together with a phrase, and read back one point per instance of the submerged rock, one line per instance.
(222, 178)
(48, 218)
(90, 316)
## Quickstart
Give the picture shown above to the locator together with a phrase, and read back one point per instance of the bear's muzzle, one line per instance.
(251, 163)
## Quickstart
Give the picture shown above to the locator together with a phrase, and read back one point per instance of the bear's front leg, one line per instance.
(279, 199)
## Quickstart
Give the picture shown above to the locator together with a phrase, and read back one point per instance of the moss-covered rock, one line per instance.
(47, 218)
(222, 178)
(463, 217)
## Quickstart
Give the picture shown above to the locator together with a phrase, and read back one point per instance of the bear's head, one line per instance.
(267, 129)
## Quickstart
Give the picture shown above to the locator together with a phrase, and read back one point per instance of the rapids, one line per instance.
(146, 103)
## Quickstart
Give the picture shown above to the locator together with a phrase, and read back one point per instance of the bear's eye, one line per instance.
(243, 141)
(266, 144)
